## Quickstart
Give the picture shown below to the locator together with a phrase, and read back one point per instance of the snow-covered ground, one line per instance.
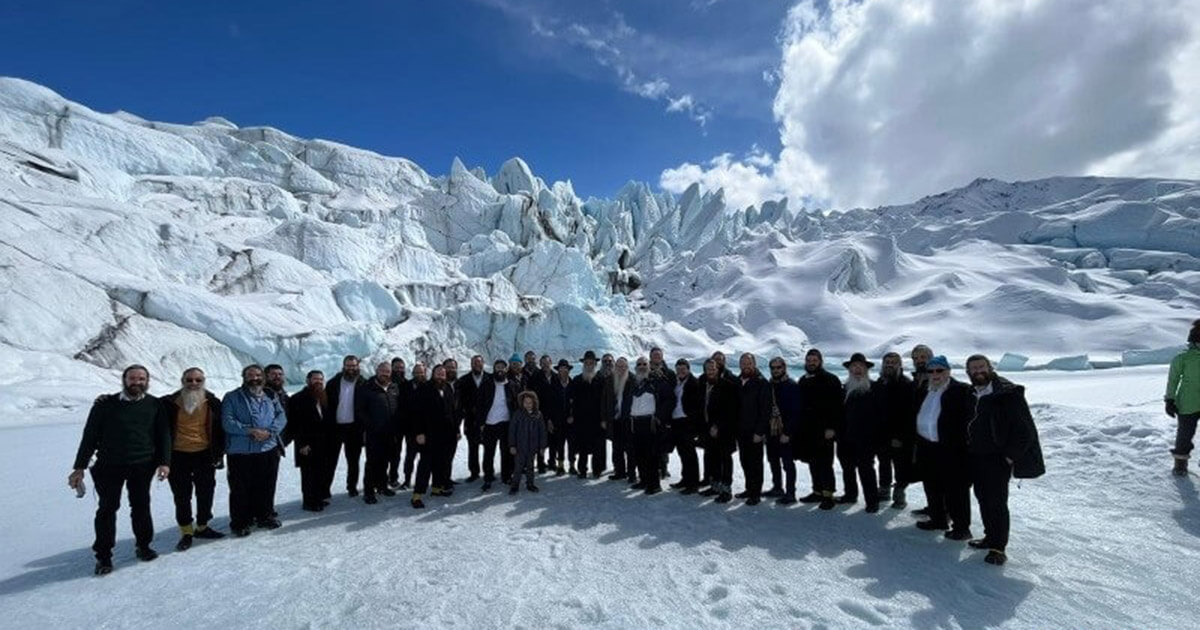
(1107, 539)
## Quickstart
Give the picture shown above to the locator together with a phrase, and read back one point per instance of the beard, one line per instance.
(856, 385)
(319, 395)
(134, 391)
(619, 381)
(190, 399)
(981, 379)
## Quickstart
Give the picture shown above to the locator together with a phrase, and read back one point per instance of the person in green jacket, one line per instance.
(1183, 398)
(130, 435)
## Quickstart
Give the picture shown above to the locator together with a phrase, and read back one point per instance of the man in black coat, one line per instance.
(944, 407)
(999, 436)
(614, 422)
(647, 408)
(785, 425)
(687, 414)
(585, 421)
(553, 386)
(377, 407)
(130, 435)
(821, 404)
(434, 426)
(467, 389)
(346, 432)
(495, 402)
(754, 422)
(406, 440)
(720, 416)
(860, 435)
(310, 425)
(899, 415)
(400, 378)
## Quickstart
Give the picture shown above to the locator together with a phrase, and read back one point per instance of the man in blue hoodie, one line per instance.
(252, 421)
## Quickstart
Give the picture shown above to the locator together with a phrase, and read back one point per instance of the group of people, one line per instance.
(536, 418)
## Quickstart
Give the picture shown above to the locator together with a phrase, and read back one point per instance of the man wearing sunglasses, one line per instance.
(945, 406)
(197, 446)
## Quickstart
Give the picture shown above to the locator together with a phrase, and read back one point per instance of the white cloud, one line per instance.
(883, 102)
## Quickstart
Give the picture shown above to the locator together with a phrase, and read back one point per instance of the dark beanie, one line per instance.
(1194, 335)
(816, 352)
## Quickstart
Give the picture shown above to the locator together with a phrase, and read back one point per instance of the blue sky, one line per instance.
(597, 92)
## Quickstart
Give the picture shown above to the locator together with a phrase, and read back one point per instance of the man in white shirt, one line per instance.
(496, 401)
(347, 433)
(944, 408)
(650, 398)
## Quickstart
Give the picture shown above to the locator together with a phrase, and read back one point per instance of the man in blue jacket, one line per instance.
(252, 421)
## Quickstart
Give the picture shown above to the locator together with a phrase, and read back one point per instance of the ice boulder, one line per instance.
(1011, 362)
(367, 301)
(1073, 363)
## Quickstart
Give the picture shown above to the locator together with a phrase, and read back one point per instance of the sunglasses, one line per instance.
(937, 370)
(193, 380)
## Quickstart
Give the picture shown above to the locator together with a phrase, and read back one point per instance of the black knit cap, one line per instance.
(816, 352)
(1194, 335)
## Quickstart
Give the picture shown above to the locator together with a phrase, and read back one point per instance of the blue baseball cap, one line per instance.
(938, 361)
(516, 358)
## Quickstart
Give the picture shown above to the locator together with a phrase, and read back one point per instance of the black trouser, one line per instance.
(524, 465)
(411, 451)
(474, 441)
(783, 464)
(622, 453)
(432, 465)
(495, 436)
(393, 467)
(991, 473)
(380, 447)
(647, 446)
(350, 438)
(250, 479)
(558, 444)
(685, 444)
(947, 478)
(193, 470)
(1184, 433)
(751, 455)
(314, 486)
(108, 481)
(857, 459)
(898, 459)
(820, 466)
(444, 471)
(718, 462)
(591, 443)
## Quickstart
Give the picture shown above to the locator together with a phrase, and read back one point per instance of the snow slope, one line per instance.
(127, 240)
(1107, 539)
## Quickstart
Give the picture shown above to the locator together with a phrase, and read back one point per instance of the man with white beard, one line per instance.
(944, 408)
(197, 444)
(858, 438)
(649, 402)
(586, 414)
(616, 423)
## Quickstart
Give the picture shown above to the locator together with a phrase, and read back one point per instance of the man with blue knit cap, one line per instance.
(516, 372)
(944, 408)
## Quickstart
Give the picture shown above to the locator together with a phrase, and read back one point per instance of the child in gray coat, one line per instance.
(526, 438)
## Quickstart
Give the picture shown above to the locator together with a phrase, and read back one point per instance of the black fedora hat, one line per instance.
(563, 363)
(590, 355)
(858, 357)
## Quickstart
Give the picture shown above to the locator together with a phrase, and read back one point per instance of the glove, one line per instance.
(1172, 410)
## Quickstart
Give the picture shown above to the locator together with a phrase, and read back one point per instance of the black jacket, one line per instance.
(820, 410)
(787, 399)
(586, 397)
(434, 413)
(719, 405)
(862, 427)
(898, 408)
(467, 393)
(693, 405)
(216, 434)
(958, 407)
(1003, 425)
(754, 409)
(555, 403)
(306, 426)
(487, 395)
(333, 392)
(376, 408)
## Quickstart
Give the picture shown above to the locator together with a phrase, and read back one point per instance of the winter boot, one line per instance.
(827, 502)
(812, 497)
(995, 557)
(1181, 469)
(898, 499)
(416, 502)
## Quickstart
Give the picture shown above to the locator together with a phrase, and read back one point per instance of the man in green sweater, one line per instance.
(1183, 398)
(130, 435)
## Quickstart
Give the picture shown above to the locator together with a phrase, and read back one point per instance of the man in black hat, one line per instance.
(821, 402)
(586, 391)
(859, 437)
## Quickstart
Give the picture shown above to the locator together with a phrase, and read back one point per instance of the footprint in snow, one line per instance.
(861, 612)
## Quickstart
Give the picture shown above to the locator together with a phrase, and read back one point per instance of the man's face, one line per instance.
(398, 370)
(477, 365)
(316, 381)
(746, 364)
(350, 368)
(682, 371)
(938, 375)
(920, 359)
(545, 363)
(812, 363)
(606, 362)
(275, 378)
(253, 378)
(419, 373)
(439, 374)
(451, 369)
(500, 370)
(719, 357)
(778, 370)
(980, 372)
(589, 365)
(383, 374)
(193, 381)
(643, 368)
(891, 365)
(136, 382)
(858, 370)
(710, 370)
(622, 367)
(564, 371)
(515, 366)
(656, 357)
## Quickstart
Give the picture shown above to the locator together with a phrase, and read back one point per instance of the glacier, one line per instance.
(126, 240)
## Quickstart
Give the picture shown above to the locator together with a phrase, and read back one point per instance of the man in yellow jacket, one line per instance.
(1183, 398)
